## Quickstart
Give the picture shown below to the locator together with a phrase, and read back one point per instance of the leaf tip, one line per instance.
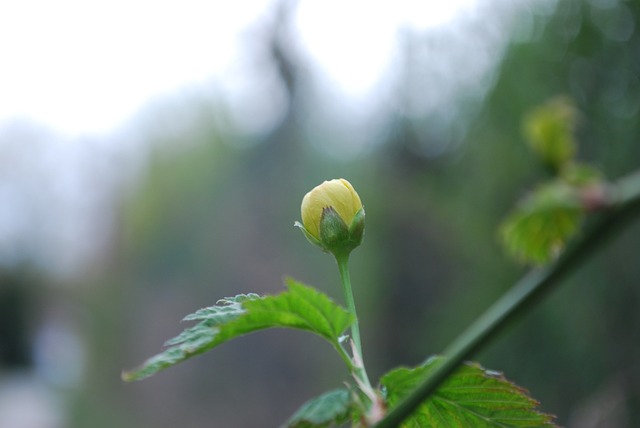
(127, 376)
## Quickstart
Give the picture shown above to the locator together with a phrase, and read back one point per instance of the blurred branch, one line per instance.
(624, 206)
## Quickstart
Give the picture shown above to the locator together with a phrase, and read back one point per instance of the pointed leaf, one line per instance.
(329, 409)
(301, 307)
(471, 397)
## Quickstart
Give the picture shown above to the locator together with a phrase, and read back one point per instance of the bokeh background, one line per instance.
(153, 157)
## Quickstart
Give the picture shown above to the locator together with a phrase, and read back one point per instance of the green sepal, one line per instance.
(334, 233)
(335, 236)
(356, 228)
(338, 238)
(312, 239)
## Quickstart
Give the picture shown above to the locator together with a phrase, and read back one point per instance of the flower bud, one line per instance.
(333, 217)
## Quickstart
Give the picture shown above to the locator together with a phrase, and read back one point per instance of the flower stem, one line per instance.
(343, 266)
(357, 368)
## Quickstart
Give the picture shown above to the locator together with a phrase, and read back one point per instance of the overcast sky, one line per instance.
(83, 67)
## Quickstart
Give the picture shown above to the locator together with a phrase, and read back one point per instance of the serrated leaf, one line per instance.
(540, 226)
(300, 307)
(329, 409)
(470, 397)
(224, 310)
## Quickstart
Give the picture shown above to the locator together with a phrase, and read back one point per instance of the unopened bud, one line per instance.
(333, 217)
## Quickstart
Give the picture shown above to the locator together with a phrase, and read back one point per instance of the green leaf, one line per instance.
(331, 408)
(542, 224)
(470, 397)
(549, 130)
(300, 307)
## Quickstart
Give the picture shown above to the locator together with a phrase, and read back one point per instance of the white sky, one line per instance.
(85, 67)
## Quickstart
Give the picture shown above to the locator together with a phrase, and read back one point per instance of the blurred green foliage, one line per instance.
(541, 225)
(549, 130)
(216, 219)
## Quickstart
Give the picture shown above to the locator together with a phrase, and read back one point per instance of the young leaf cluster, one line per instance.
(546, 219)
(550, 131)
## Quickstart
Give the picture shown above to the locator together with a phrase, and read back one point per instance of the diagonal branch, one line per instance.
(624, 206)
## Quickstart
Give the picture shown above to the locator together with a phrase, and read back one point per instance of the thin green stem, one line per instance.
(343, 267)
(624, 206)
(345, 357)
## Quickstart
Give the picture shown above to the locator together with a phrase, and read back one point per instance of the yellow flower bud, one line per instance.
(332, 216)
(338, 194)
